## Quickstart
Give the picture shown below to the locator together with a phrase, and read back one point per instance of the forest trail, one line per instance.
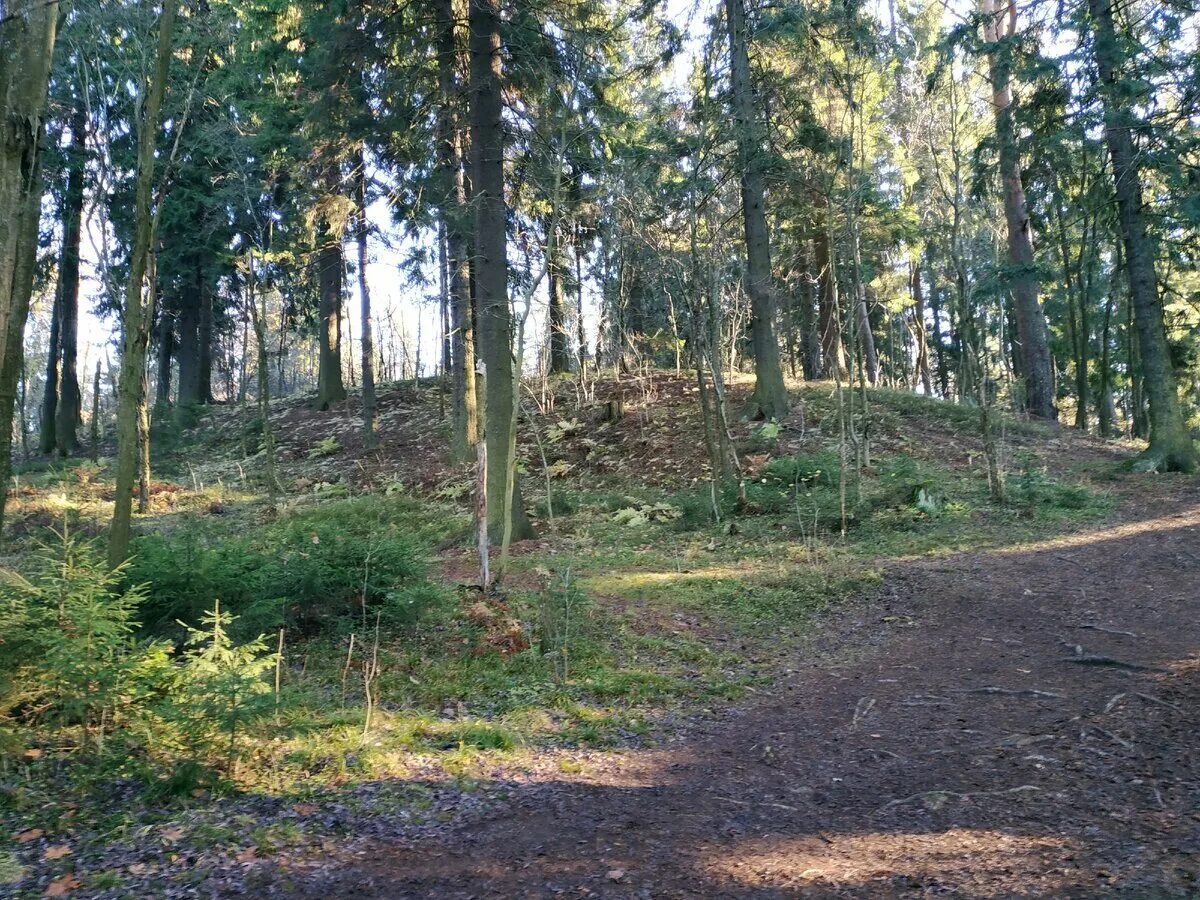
(995, 724)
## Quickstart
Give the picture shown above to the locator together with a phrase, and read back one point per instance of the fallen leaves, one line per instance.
(29, 834)
(62, 886)
(57, 852)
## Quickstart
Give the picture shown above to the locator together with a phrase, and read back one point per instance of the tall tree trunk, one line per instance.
(50, 391)
(918, 329)
(866, 337)
(935, 308)
(136, 334)
(331, 269)
(1076, 313)
(27, 35)
(95, 423)
(259, 319)
(556, 274)
(368, 343)
(491, 260)
(810, 337)
(1032, 336)
(1170, 442)
(769, 400)
(204, 344)
(69, 414)
(165, 342)
(189, 346)
(833, 352)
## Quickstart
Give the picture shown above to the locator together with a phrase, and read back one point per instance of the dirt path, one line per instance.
(1014, 724)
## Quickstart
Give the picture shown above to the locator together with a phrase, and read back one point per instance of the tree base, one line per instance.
(1178, 457)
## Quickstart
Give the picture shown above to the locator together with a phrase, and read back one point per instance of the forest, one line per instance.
(633, 448)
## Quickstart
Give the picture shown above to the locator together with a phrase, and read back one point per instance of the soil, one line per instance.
(995, 724)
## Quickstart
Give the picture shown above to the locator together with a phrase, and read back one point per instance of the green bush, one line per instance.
(71, 664)
(1033, 489)
(301, 572)
(814, 469)
(68, 654)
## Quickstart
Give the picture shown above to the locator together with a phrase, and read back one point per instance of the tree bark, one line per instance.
(769, 400)
(189, 347)
(26, 52)
(331, 268)
(1032, 337)
(50, 391)
(491, 258)
(918, 328)
(165, 342)
(1170, 442)
(69, 414)
(456, 222)
(136, 335)
(556, 273)
(833, 352)
(368, 344)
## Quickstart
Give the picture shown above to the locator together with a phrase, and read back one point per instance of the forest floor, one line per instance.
(996, 724)
(968, 700)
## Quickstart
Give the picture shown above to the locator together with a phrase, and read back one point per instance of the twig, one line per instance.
(864, 706)
(1092, 627)
(1110, 662)
(1170, 706)
(943, 795)
(1007, 692)
(1112, 737)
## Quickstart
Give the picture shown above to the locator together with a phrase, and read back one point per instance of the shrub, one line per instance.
(68, 655)
(814, 469)
(70, 659)
(335, 560)
(219, 687)
(1033, 489)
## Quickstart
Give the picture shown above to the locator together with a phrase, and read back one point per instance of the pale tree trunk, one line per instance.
(368, 344)
(491, 259)
(136, 333)
(69, 414)
(1000, 26)
(259, 319)
(1170, 442)
(455, 214)
(918, 328)
(331, 268)
(26, 51)
(769, 400)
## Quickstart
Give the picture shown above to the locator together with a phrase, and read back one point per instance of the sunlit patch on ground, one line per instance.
(960, 857)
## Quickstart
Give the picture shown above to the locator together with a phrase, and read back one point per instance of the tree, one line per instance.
(134, 321)
(27, 33)
(1000, 31)
(1171, 447)
(454, 215)
(769, 400)
(491, 259)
